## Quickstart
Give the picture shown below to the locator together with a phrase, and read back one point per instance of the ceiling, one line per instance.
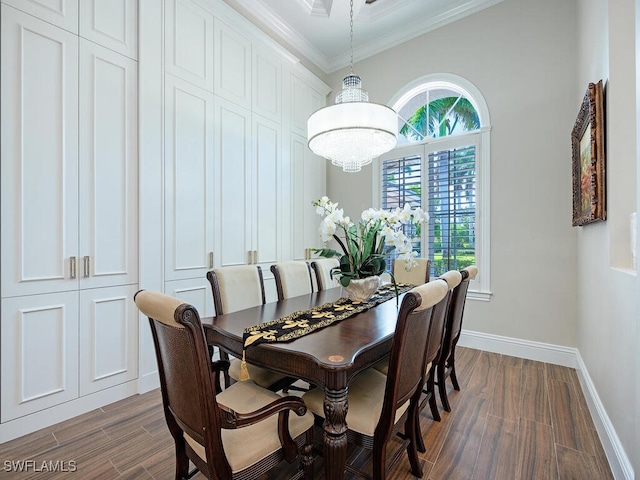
(319, 29)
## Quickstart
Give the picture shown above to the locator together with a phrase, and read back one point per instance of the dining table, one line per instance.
(328, 358)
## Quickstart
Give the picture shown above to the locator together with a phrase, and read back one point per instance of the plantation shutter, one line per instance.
(452, 208)
(402, 184)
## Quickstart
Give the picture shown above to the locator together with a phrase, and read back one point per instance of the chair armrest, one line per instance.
(232, 419)
(282, 406)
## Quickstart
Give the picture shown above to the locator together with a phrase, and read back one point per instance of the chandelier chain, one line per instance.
(351, 38)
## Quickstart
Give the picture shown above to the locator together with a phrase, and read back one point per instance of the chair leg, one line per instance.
(307, 456)
(432, 397)
(442, 387)
(420, 447)
(380, 461)
(182, 461)
(451, 363)
(414, 433)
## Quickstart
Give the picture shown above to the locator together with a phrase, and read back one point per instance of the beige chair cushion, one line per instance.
(452, 277)
(366, 396)
(295, 278)
(416, 276)
(261, 376)
(239, 287)
(246, 446)
(324, 267)
(473, 271)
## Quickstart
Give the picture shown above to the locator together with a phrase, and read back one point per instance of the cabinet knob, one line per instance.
(210, 259)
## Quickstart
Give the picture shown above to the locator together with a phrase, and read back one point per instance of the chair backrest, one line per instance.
(456, 309)
(405, 376)
(186, 379)
(439, 317)
(322, 267)
(292, 279)
(236, 288)
(418, 274)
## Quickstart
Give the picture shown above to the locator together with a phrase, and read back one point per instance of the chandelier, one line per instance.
(354, 131)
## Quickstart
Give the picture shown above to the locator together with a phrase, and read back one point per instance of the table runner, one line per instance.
(304, 322)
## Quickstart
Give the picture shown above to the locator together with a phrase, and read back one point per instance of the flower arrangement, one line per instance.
(365, 244)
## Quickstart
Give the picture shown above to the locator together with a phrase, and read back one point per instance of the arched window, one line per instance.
(441, 163)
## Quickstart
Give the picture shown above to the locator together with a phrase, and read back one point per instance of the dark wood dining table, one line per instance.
(327, 358)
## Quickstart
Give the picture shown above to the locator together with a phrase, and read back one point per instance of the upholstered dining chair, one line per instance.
(436, 334)
(322, 268)
(418, 275)
(379, 405)
(292, 279)
(240, 432)
(447, 363)
(235, 288)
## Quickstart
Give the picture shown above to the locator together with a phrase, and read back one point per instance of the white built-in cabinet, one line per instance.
(230, 179)
(69, 205)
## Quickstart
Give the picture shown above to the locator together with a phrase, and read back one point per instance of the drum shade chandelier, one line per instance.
(354, 131)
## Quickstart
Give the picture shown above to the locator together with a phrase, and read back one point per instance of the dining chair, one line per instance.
(322, 268)
(235, 288)
(240, 432)
(379, 405)
(418, 274)
(436, 334)
(447, 362)
(292, 279)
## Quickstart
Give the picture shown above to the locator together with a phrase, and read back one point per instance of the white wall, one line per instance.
(521, 55)
(607, 316)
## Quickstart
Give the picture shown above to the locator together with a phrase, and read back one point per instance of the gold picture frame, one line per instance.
(588, 162)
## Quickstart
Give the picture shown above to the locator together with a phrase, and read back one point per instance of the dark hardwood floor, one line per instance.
(513, 419)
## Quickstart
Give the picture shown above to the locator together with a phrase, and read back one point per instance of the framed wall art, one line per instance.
(588, 162)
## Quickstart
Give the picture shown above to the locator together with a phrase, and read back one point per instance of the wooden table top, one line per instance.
(336, 347)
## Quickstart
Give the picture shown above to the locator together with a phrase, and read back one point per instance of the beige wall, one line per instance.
(608, 313)
(521, 55)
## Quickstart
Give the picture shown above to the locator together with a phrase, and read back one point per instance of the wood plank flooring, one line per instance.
(513, 419)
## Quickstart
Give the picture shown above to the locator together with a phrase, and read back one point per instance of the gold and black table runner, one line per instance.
(304, 322)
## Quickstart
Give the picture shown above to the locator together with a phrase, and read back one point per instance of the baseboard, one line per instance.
(542, 352)
(50, 416)
(148, 382)
(569, 357)
(618, 461)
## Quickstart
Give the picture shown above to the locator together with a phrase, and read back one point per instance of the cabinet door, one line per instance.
(108, 168)
(194, 291)
(108, 337)
(267, 84)
(189, 43)
(112, 24)
(233, 183)
(188, 180)
(61, 13)
(267, 192)
(309, 172)
(232, 65)
(39, 149)
(39, 360)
